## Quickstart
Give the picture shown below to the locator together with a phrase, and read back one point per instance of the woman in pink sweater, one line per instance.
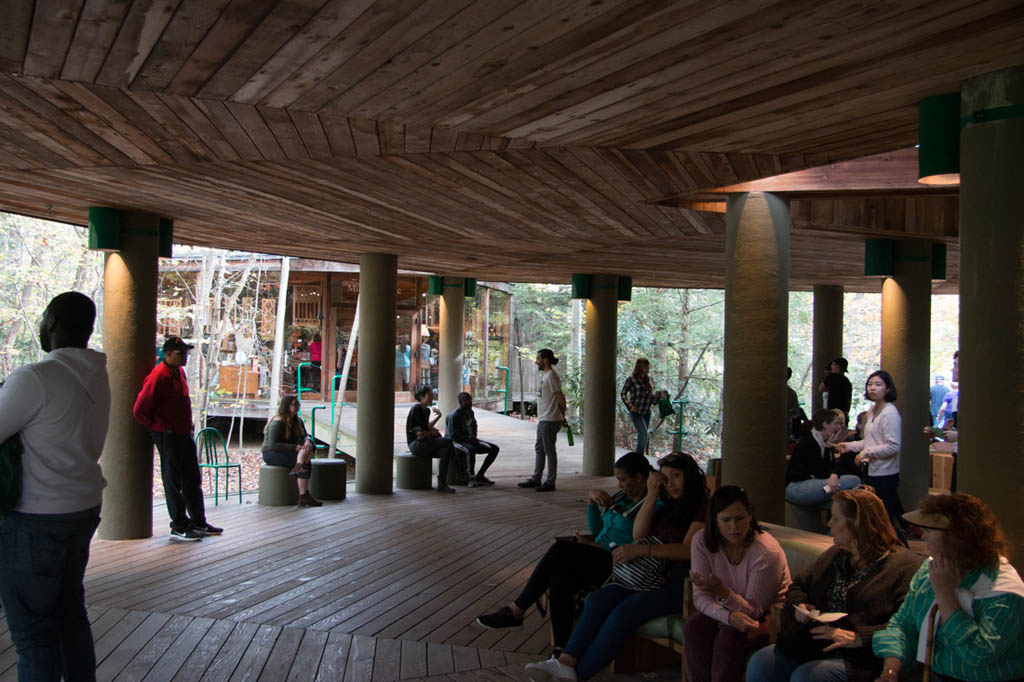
(738, 571)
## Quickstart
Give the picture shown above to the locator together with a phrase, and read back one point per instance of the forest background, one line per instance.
(681, 331)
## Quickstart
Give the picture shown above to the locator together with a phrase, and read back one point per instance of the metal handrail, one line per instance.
(678, 432)
(508, 377)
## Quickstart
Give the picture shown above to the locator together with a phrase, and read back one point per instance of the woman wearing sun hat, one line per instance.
(964, 615)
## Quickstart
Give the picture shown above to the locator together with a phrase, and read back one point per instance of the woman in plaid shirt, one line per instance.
(638, 395)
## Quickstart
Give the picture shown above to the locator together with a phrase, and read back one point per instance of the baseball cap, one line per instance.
(176, 343)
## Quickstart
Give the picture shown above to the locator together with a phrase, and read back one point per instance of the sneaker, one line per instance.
(529, 483)
(472, 482)
(551, 670)
(445, 489)
(500, 619)
(308, 500)
(483, 480)
(206, 529)
(187, 535)
(546, 487)
(301, 470)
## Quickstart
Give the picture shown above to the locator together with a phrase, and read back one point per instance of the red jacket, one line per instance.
(163, 403)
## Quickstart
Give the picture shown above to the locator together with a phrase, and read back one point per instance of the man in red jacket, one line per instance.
(163, 407)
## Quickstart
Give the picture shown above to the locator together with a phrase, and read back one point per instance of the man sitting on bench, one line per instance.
(460, 426)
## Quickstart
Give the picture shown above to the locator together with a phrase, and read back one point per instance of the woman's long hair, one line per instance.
(868, 522)
(292, 424)
(646, 364)
(688, 508)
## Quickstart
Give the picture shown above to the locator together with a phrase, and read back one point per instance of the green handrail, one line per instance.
(678, 432)
(312, 428)
(299, 389)
(508, 376)
(333, 383)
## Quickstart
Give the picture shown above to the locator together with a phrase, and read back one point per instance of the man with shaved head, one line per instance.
(59, 407)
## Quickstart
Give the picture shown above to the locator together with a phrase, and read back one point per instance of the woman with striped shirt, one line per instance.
(964, 614)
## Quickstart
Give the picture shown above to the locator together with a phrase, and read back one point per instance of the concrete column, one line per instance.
(599, 386)
(756, 333)
(375, 409)
(451, 344)
(991, 366)
(906, 344)
(828, 335)
(129, 335)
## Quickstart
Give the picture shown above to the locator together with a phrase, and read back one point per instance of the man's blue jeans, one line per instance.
(610, 615)
(42, 565)
(812, 491)
(642, 424)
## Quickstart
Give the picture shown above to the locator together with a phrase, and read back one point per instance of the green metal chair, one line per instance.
(209, 445)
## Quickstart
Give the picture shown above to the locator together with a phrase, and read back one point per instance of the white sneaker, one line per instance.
(551, 670)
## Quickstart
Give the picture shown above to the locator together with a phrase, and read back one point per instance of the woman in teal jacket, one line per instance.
(580, 562)
(966, 594)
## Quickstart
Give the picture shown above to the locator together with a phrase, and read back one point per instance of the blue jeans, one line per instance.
(812, 491)
(610, 615)
(641, 422)
(42, 565)
(769, 665)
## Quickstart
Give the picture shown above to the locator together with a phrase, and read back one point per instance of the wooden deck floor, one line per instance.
(372, 588)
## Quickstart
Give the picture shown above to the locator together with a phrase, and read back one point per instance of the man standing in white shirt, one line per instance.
(550, 419)
(60, 408)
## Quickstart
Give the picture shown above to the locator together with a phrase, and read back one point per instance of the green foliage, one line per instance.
(681, 332)
(41, 259)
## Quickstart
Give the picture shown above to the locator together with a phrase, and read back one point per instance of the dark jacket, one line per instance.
(275, 438)
(870, 603)
(460, 425)
(808, 461)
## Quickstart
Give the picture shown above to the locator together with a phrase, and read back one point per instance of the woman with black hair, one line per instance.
(578, 562)
(663, 536)
(426, 441)
(880, 448)
(739, 571)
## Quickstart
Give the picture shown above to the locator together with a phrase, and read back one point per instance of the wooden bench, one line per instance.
(412, 472)
(278, 488)
(801, 548)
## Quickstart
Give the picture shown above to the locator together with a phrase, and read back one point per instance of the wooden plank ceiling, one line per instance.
(519, 140)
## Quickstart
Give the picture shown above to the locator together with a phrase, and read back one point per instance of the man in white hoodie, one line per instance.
(60, 407)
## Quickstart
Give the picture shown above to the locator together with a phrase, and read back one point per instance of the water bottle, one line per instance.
(568, 435)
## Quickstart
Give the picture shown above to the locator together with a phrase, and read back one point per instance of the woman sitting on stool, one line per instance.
(286, 444)
(426, 441)
(865, 575)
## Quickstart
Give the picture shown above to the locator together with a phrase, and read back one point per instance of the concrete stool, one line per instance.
(412, 472)
(804, 517)
(277, 487)
(328, 479)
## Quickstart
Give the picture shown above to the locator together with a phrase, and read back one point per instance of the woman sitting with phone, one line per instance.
(647, 579)
(577, 562)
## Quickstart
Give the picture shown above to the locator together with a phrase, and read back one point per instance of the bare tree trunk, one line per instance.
(199, 317)
(684, 337)
(14, 331)
(275, 368)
